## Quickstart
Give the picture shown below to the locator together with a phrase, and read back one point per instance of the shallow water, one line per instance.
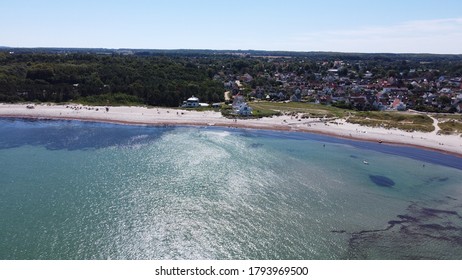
(76, 190)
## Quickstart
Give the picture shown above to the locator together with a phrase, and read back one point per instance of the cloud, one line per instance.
(422, 36)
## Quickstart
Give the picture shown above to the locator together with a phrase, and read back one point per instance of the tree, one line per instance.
(444, 100)
(342, 71)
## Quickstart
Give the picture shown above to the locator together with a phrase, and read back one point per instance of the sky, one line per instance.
(393, 26)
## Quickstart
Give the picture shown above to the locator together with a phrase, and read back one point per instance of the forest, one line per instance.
(99, 78)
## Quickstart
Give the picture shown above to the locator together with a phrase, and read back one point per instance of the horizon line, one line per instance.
(232, 50)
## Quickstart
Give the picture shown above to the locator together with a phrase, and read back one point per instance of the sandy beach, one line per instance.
(165, 116)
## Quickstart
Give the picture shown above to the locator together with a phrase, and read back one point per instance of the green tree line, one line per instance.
(159, 81)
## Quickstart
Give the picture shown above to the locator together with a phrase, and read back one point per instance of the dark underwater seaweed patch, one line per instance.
(419, 226)
(408, 218)
(438, 212)
(382, 181)
(438, 227)
(436, 179)
(255, 145)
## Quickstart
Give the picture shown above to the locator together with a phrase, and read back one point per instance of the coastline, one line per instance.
(447, 144)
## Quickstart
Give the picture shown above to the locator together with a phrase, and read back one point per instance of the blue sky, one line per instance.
(424, 26)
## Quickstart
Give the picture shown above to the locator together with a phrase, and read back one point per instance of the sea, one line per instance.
(72, 190)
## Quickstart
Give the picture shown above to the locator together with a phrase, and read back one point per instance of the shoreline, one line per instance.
(446, 144)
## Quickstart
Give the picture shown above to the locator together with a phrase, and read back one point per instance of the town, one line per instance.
(359, 86)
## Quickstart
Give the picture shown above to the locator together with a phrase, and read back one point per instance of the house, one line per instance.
(368, 75)
(243, 109)
(298, 93)
(398, 105)
(240, 107)
(297, 96)
(246, 78)
(458, 97)
(192, 102)
(459, 108)
(359, 102)
(294, 98)
(430, 99)
(325, 99)
(281, 96)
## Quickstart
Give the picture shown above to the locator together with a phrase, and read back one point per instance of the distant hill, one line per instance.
(318, 55)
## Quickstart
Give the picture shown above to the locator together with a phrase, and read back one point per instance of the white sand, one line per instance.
(163, 116)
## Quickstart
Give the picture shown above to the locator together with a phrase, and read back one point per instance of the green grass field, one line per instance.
(308, 109)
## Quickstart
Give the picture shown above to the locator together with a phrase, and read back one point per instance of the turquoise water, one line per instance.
(76, 190)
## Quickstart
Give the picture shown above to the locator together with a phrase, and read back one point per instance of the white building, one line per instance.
(192, 102)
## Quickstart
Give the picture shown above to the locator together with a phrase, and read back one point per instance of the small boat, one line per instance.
(365, 162)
